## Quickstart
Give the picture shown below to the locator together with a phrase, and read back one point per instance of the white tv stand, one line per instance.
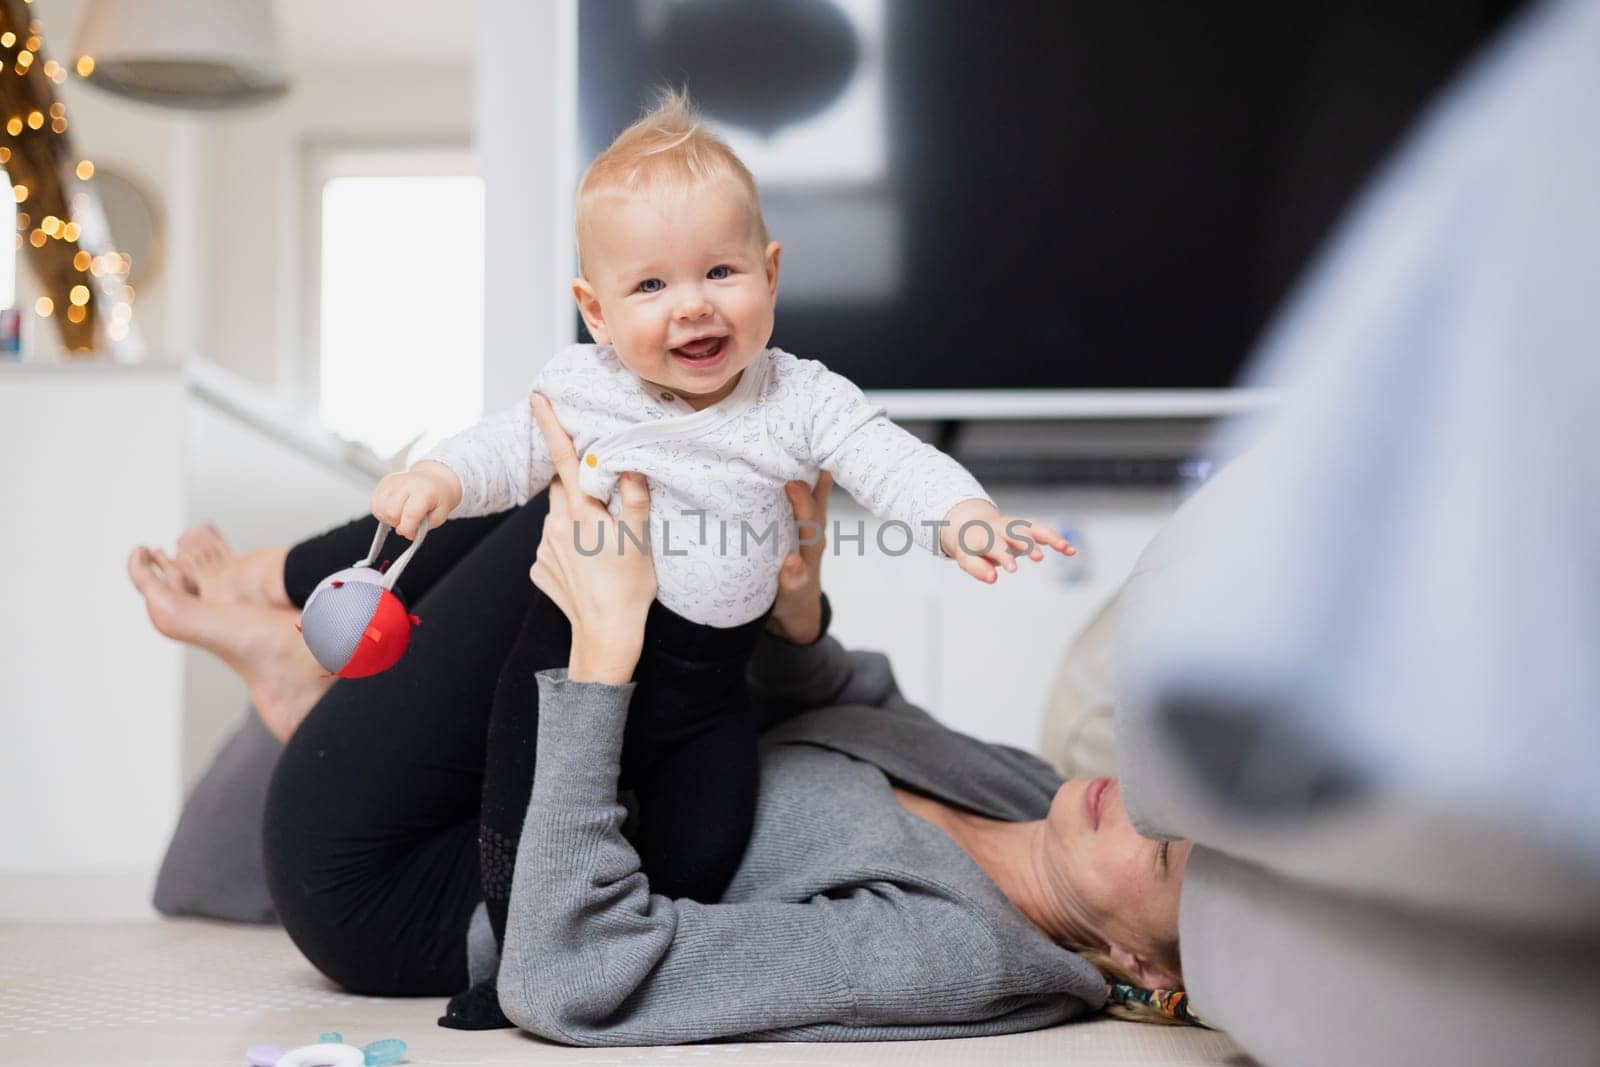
(982, 657)
(1031, 404)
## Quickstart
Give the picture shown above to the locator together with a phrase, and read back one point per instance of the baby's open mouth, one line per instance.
(705, 348)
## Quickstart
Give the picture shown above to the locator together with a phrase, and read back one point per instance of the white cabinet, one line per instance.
(982, 657)
(91, 463)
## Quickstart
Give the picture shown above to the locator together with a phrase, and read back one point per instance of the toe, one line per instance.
(167, 600)
(187, 573)
(144, 568)
(139, 566)
(166, 568)
(212, 543)
(191, 545)
(198, 539)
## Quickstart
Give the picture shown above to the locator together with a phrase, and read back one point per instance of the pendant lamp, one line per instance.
(200, 54)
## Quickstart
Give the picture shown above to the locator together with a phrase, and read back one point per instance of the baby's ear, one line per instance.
(774, 254)
(589, 307)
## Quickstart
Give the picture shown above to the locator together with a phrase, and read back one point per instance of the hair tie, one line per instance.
(1173, 1003)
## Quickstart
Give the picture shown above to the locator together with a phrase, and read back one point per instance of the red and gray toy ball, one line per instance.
(353, 622)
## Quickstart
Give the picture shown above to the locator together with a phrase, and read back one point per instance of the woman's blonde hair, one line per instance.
(1148, 1010)
(668, 151)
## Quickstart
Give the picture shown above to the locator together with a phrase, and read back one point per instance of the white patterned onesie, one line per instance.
(720, 523)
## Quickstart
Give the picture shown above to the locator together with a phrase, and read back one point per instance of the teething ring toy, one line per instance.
(353, 622)
(323, 1055)
(329, 1050)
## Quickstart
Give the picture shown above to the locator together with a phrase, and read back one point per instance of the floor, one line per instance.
(191, 992)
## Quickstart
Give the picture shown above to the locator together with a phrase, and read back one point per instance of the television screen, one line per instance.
(1021, 195)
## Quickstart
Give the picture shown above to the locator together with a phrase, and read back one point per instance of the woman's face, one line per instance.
(1122, 887)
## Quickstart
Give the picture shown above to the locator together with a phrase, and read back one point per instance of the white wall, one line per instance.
(153, 146)
(230, 182)
(258, 249)
(260, 493)
(525, 101)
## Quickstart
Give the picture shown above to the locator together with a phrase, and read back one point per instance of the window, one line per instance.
(399, 299)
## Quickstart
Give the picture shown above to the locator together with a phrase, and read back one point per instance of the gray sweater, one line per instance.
(849, 919)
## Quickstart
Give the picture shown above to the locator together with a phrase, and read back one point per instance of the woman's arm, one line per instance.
(592, 957)
(796, 665)
(799, 615)
(604, 595)
(785, 679)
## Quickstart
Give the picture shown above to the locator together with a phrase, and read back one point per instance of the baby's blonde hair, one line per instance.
(669, 150)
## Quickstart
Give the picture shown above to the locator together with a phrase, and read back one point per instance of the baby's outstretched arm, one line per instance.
(980, 538)
(896, 476)
(497, 463)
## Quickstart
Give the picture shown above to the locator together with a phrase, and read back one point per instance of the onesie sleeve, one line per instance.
(886, 469)
(501, 461)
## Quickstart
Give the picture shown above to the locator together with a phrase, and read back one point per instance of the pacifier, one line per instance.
(354, 623)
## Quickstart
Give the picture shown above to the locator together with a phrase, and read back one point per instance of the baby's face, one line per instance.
(681, 288)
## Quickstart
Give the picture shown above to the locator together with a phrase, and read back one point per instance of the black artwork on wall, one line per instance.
(1036, 195)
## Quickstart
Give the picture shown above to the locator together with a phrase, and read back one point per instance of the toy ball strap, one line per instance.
(392, 575)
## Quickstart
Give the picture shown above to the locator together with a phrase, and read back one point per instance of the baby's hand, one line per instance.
(428, 490)
(981, 539)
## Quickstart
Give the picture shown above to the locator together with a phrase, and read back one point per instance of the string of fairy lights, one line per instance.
(107, 271)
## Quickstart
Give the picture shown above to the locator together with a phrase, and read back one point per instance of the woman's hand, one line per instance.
(797, 614)
(604, 594)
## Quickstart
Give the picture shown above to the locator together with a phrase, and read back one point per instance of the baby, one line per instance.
(677, 287)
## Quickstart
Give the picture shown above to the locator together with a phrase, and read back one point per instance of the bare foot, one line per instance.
(211, 569)
(202, 558)
(260, 643)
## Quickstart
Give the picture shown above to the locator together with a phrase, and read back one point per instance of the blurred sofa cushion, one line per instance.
(213, 867)
(1078, 732)
(1304, 975)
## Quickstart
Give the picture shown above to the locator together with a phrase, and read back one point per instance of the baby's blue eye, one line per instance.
(652, 285)
(718, 273)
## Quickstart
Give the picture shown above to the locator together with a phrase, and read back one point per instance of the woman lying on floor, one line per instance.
(901, 880)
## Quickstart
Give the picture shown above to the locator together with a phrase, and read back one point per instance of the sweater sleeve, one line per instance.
(592, 957)
(501, 461)
(886, 469)
(784, 678)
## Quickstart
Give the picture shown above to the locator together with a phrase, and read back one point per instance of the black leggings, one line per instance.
(376, 808)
